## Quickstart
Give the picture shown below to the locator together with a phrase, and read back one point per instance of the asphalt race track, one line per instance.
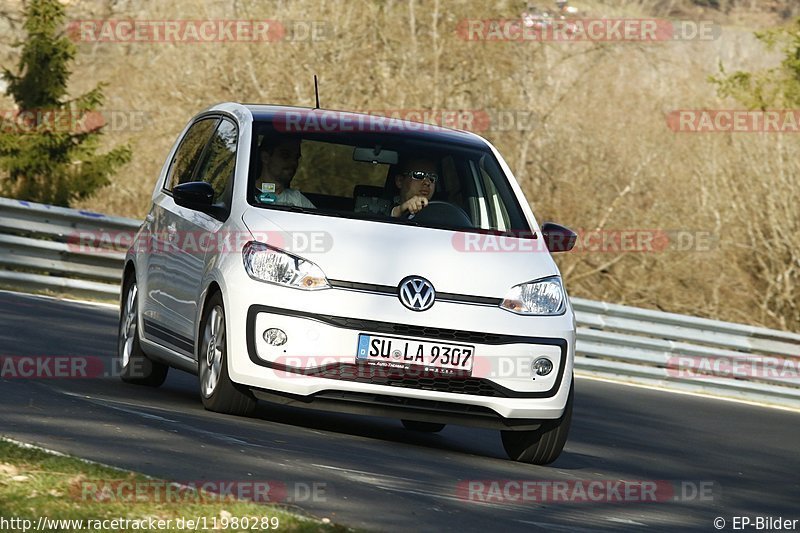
(720, 459)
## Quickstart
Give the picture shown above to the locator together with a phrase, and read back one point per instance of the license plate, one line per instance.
(396, 352)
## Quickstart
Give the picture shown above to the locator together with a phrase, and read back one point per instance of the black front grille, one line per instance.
(376, 326)
(390, 290)
(409, 379)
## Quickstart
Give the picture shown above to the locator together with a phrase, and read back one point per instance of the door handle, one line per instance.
(172, 234)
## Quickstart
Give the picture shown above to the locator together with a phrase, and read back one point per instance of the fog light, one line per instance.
(542, 366)
(275, 337)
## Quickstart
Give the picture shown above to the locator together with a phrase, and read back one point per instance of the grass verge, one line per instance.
(57, 489)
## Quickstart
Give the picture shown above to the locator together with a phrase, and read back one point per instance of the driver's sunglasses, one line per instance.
(419, 175)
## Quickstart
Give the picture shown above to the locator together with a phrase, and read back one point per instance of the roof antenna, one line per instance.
(316, 91)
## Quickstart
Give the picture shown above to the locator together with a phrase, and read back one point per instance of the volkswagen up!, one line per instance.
(353, 263)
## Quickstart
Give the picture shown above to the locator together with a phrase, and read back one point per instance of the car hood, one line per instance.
(381, 253)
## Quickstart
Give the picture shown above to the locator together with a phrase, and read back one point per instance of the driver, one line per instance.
(416, 179)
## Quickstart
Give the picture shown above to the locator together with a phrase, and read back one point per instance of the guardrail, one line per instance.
(54, 248)
(687, 353)
(44, 247)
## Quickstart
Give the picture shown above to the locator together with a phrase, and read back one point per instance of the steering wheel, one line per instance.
(438, 213)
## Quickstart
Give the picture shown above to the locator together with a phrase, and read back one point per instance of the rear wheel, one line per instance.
(217, 390)
(541, 446)
(135, 366)
(426, 427)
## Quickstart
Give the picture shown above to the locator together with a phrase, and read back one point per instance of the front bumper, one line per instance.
(317, 367)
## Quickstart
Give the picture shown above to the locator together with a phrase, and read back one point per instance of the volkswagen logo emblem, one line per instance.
(416, 293)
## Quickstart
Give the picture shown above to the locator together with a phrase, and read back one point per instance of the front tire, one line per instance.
(135, 366)
(541, 446)
(217, 390)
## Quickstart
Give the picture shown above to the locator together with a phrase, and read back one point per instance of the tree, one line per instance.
(769, 88)
(766, 198)
(49, 145)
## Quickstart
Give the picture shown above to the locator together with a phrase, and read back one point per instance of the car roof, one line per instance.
(345, 119)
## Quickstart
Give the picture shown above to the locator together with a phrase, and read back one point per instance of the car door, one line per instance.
(205, 231)
(172, 270)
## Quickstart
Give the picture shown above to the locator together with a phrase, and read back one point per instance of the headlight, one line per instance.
(264, 263)
(543, 297)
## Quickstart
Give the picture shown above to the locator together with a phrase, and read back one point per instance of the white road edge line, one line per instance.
(709, 396)
(57, 453)
(70, 300)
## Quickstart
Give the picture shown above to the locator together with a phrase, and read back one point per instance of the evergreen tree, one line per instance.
(48, 147)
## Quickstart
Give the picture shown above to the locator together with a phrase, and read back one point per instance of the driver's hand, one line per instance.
(414, 205)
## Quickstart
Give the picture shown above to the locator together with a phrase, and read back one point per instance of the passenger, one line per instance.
(416, 180)
(279, 160)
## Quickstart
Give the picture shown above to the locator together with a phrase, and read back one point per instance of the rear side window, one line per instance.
(188, 153)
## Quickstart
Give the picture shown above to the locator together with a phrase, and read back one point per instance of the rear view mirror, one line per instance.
(558, 238)
(375, 155)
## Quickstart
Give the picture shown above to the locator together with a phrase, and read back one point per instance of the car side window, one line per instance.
(188, 153)
(219, 163)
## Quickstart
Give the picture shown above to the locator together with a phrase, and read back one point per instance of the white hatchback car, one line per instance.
(353, 263)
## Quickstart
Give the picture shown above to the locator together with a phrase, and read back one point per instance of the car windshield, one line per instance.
(372, 175)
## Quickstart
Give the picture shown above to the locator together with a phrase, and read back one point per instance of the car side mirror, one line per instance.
(197, 195)
(558, 238)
